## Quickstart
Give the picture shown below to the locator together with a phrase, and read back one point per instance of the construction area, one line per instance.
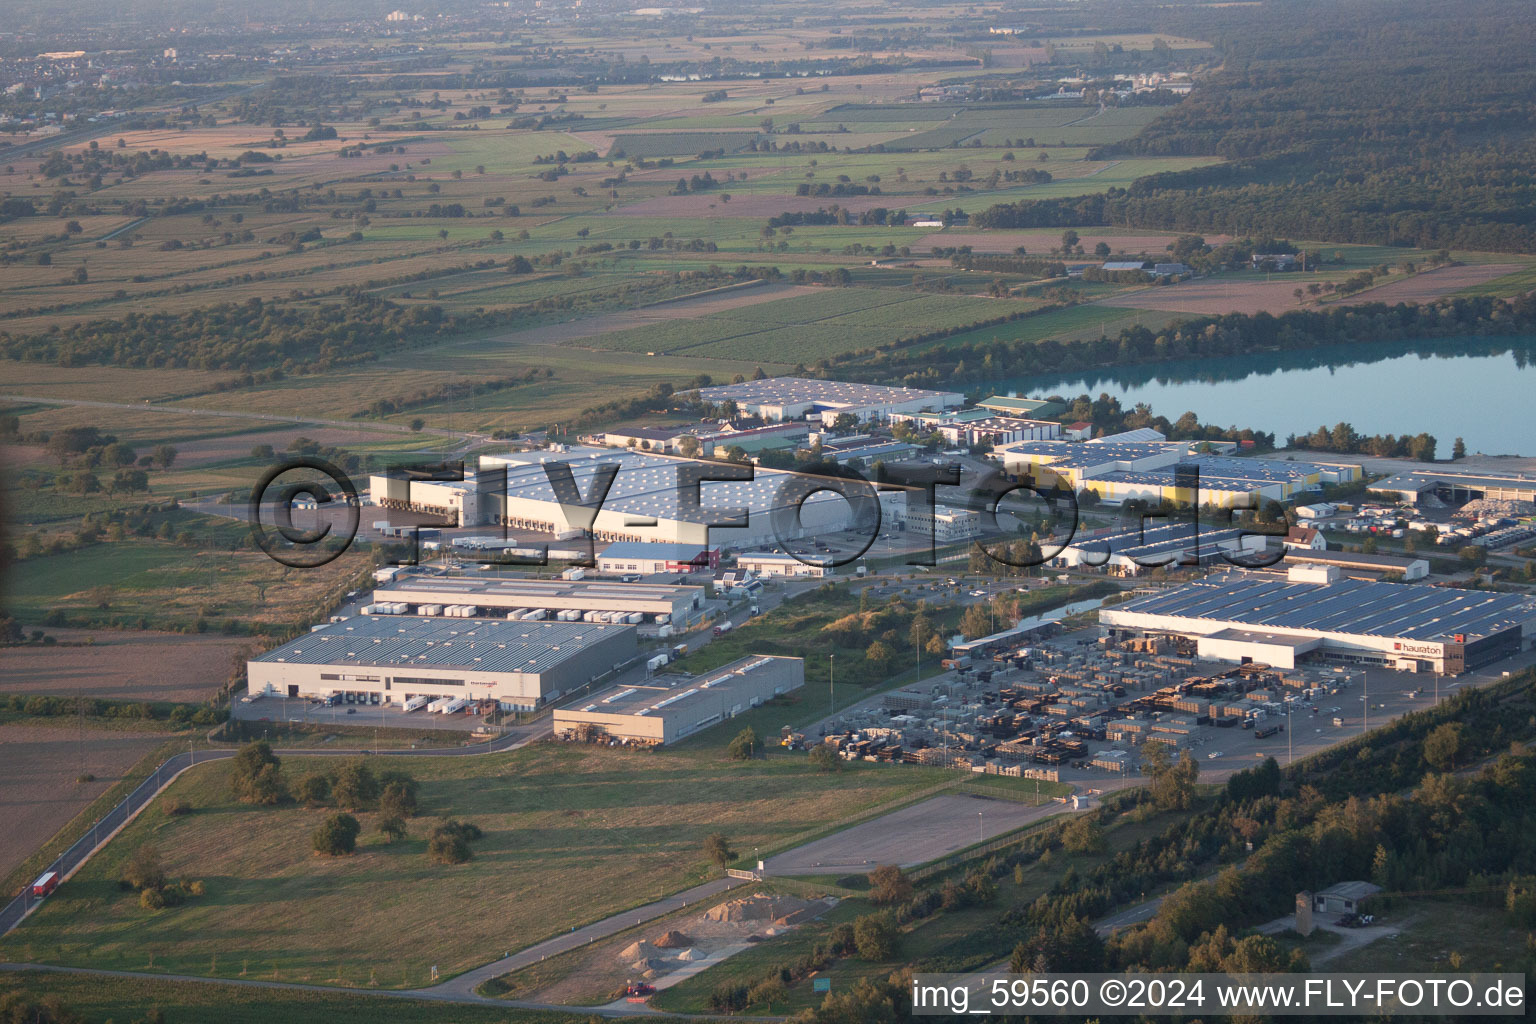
(667, 951)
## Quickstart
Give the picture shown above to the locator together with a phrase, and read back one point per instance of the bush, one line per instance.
(144, 869)
(152, 899)
(393, 827)
(875, 936)
(824, 758)
(450, 839)
(398, 796)
(718, 849)
(890, 885)
(337, 836)
(313, 790)
(744, 746)
(728, 997)
(256, 777)
(355, 787)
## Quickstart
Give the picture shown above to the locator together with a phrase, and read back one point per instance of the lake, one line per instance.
(1479, 389)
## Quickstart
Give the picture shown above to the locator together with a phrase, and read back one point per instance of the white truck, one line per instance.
(456, 704)
(416, 703)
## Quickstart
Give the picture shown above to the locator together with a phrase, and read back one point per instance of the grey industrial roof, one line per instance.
(1346, 606)
(654, 549)
(1360, 559)
(648, 485)
(1424, 479)
(1169, 538)
(1264, 636)
(669, 695)
(794, 390)
(478, 645)
(465, 587)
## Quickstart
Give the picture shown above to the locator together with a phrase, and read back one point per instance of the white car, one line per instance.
(1213, 755)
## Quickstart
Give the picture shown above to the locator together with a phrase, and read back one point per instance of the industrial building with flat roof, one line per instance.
(1273, 619)
(667, 708)
(646, 502)
(1117, 470)
(792, 398)
(1031, 408)
(651, 558)
(1358, 564)
(497, 596)
(1130, 551)
(1457, 486)
(388, 659)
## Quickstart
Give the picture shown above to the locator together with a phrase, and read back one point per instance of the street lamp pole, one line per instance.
(1289, 746)
(831, 697)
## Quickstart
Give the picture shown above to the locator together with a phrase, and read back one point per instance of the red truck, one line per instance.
(45, 884)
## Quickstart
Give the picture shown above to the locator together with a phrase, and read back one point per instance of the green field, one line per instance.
(573, 834)
(1069, 322)
(806, 328)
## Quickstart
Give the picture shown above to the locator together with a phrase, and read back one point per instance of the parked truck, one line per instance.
(679, 650)
(416, 703)
(659, 661)
(454, 705)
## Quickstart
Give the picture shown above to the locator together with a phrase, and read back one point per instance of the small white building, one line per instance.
(767, 563)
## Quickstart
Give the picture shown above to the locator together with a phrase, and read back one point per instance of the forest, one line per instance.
(1364, 121)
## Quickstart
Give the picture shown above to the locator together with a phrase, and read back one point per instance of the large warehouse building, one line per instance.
(645, 503)
(672, 707)
(388, 659)
(794, 398)
(1274, 619)
(1117, 471)
(1131, 551)
(1456, 486)
(493, 596)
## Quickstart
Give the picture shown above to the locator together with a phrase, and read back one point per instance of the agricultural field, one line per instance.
(46, 784)
(118, 665)
(572, 834)
(149, 584)
(803, 330)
